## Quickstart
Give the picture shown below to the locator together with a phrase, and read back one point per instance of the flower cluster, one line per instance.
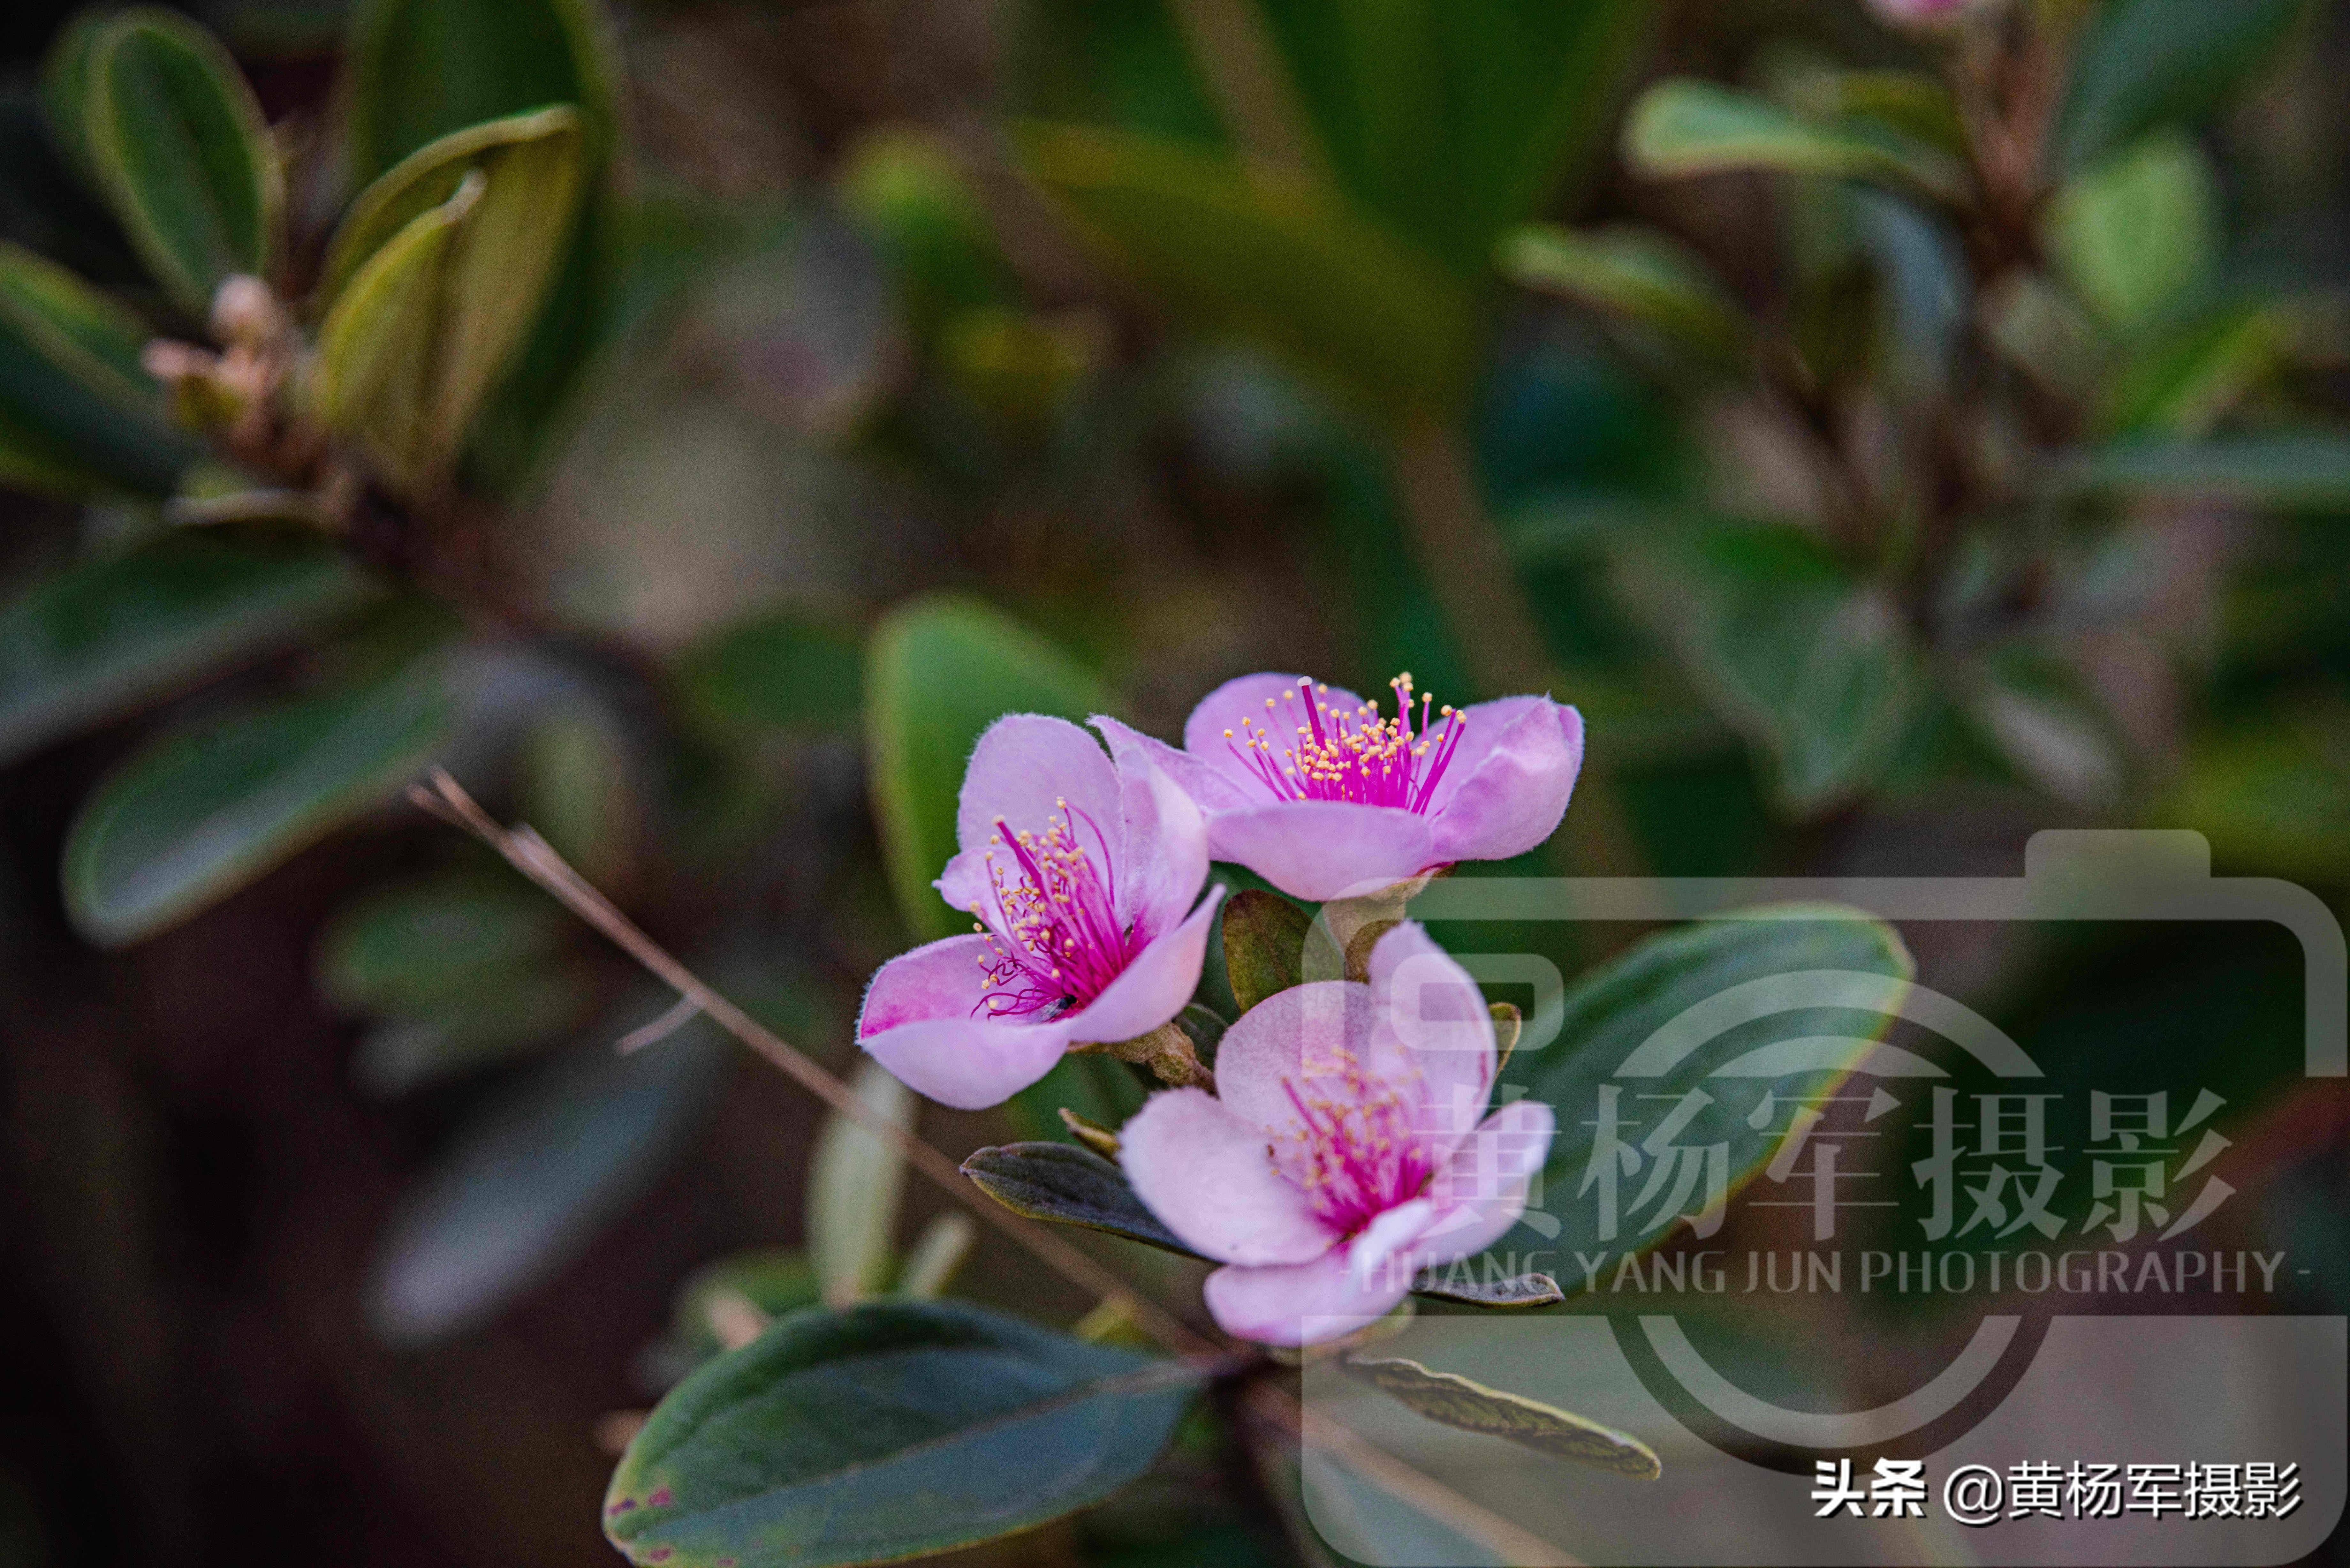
(1344, 1145)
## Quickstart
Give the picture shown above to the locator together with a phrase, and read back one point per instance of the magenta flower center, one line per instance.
(1358, 1153)
(1055, 936)
(1307, 750)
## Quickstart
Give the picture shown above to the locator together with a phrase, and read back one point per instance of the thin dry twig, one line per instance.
(532, 856)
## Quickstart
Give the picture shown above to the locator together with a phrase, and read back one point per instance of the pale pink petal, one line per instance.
(1432, 1014)
(938, 980)
(1292, 1036)
(1247, 698)
(1207, 1176)
(1212, 788)
(1390, 1235)
(965, 884)
(1323, 849)
(1022, 767)
(967, 1063)
(1480, 1190)
(919, 1019)
(1164, 857)
(1154, 987)
(1303, 1304)
(1514, 788)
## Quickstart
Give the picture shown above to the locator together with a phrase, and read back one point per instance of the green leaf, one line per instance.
(774, 1279)
(1455, 1401)
(107, 635)
(1613, 1009)
(1815, 667)
(2308, 468)
(2147, 63)
(1459, 1284)
(936, 672)
(1067, 1185)
(2273, 798)
(64, 86)
(1273, 257)
(2137, 230)
(1633, 272)
(77, 413)
(525, 1185)
(895, 1429)
(1683, 127)
(785, 669)
(418, 337)
(854, 1183)
(2183, 381)
(2044, 719)
(1264, 944)
(194, 818)
(535, 143)
(417, 70)
(404, 949)
(511, 1012)
(178, 148)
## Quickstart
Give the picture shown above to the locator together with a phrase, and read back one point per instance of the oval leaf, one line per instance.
(1277, 258)
(107, 635)
(936, 672)
(1264, 945)
(416, 340)
(1683, 127)
(194, 818)
(1520, 1290)
(2159, 62)
(426, 178)
(1613, 1008)
(407, 948)
(1635, 273)
(2139, 230)
(1068, 1186)
(178, 148)
(894, 1429)
(1456, 1401)
(74, 404)
(530, 1181)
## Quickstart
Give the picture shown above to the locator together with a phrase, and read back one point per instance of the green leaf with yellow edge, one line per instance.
(107, 634)
(77, 412)
(428, 176)
(938, 672)
(1636, 273)
(1457, 1401)
(896, 1429)
(195, 816)
(1277, 258)
(1683, 127)
(419, 335)
(177, 143)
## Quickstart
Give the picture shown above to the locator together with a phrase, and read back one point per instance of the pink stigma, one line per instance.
(1056, 939)
(1352, 754)
(1358, 1154)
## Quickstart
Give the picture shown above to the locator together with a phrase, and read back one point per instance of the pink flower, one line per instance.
(1311, 788)
(1343, 1151)
(1079, 873)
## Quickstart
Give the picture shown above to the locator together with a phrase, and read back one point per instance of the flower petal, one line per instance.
(1432, 1013)
(917, 1021)
(1154, 987)
(1212, 788)
(967, 1063)
(1481, 1191)
(1516, 770)
(1164, 858)
(1207, 1177)
(1292, 1036)
(1303, 1304)
(1022, 767)
(1324, 848)
(937, 980)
